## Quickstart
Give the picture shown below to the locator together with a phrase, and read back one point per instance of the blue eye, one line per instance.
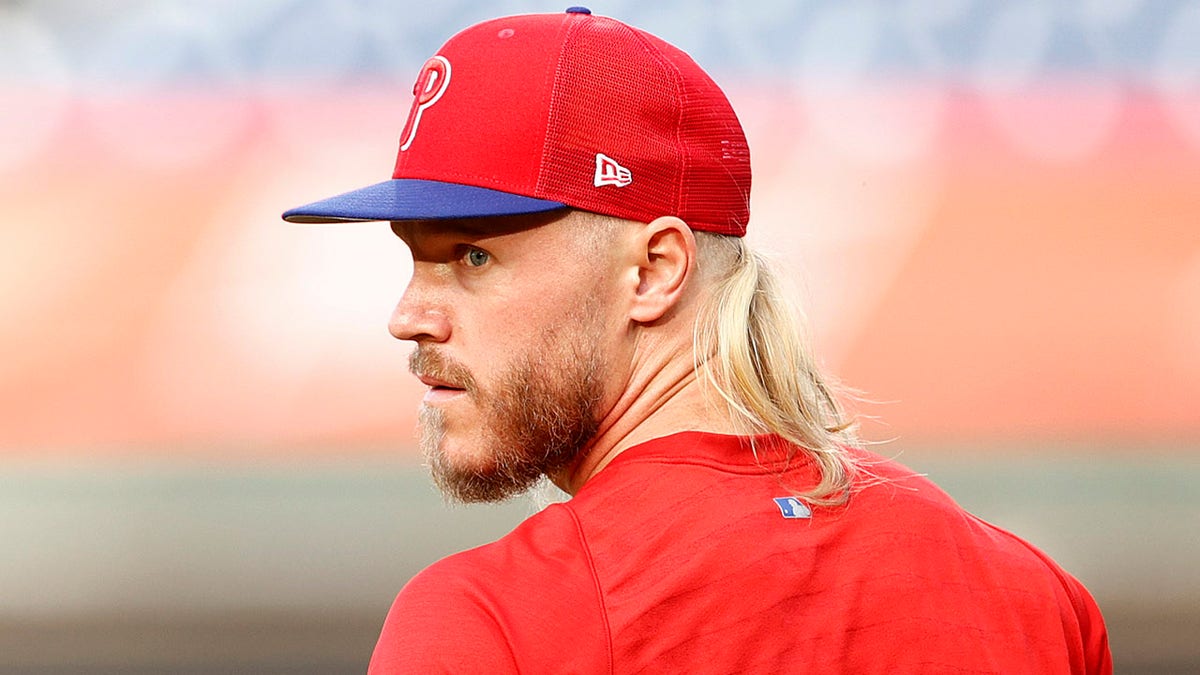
(477, 258)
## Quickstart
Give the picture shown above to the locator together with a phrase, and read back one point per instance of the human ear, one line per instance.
(666, 258)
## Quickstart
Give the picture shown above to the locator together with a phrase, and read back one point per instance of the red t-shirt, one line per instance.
(684, 555)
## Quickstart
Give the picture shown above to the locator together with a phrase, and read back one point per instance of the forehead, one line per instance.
(412, 231)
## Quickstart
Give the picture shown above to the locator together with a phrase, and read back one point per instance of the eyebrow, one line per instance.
(452, 227)
(474, 228)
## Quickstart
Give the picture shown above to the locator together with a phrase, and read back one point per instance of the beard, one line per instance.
(537, 418)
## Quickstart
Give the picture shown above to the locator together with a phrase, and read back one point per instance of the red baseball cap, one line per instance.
(539, 112)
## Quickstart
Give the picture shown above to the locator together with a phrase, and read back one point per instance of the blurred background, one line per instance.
(990, 210)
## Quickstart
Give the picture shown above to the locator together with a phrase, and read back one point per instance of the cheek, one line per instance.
(550, 307)
(491, 345)
(546, 309)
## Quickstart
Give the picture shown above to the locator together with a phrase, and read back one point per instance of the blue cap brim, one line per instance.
(415, 199)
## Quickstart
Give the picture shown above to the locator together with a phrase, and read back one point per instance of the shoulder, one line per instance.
(947, 550)
(439, 624)
(503, 607)
(1080, 617)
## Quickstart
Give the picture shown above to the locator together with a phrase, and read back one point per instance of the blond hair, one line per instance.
(751, 347)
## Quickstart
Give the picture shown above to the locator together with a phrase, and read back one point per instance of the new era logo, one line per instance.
(608, 172)
(791, 507)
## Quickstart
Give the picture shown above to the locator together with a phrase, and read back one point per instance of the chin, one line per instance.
(464, 456)
(456, 450)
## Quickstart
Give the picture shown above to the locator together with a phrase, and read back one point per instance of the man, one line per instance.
(574, 192)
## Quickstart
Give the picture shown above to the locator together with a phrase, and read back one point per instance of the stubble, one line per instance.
(537, 418)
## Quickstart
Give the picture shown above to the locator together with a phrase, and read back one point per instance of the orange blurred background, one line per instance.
(984, 290)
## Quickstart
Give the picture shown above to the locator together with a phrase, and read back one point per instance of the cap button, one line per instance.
(578, 10)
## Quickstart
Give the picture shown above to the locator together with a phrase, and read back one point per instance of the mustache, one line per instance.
(428, 362)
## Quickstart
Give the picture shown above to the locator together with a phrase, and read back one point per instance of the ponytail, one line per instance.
(751, 347)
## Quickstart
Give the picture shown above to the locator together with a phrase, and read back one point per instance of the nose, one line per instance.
(418, 318)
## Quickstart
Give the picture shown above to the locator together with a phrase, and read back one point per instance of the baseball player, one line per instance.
(574, 192)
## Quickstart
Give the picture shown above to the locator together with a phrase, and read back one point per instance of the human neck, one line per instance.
(662, 398)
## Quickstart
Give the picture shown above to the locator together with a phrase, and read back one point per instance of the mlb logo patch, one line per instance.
(790, 507)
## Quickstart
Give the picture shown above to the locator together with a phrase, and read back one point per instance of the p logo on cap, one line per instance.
(431, 84)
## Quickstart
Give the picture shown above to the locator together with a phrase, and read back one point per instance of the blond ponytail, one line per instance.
(751, 347)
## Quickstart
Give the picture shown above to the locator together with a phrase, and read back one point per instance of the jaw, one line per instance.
(658, 396)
